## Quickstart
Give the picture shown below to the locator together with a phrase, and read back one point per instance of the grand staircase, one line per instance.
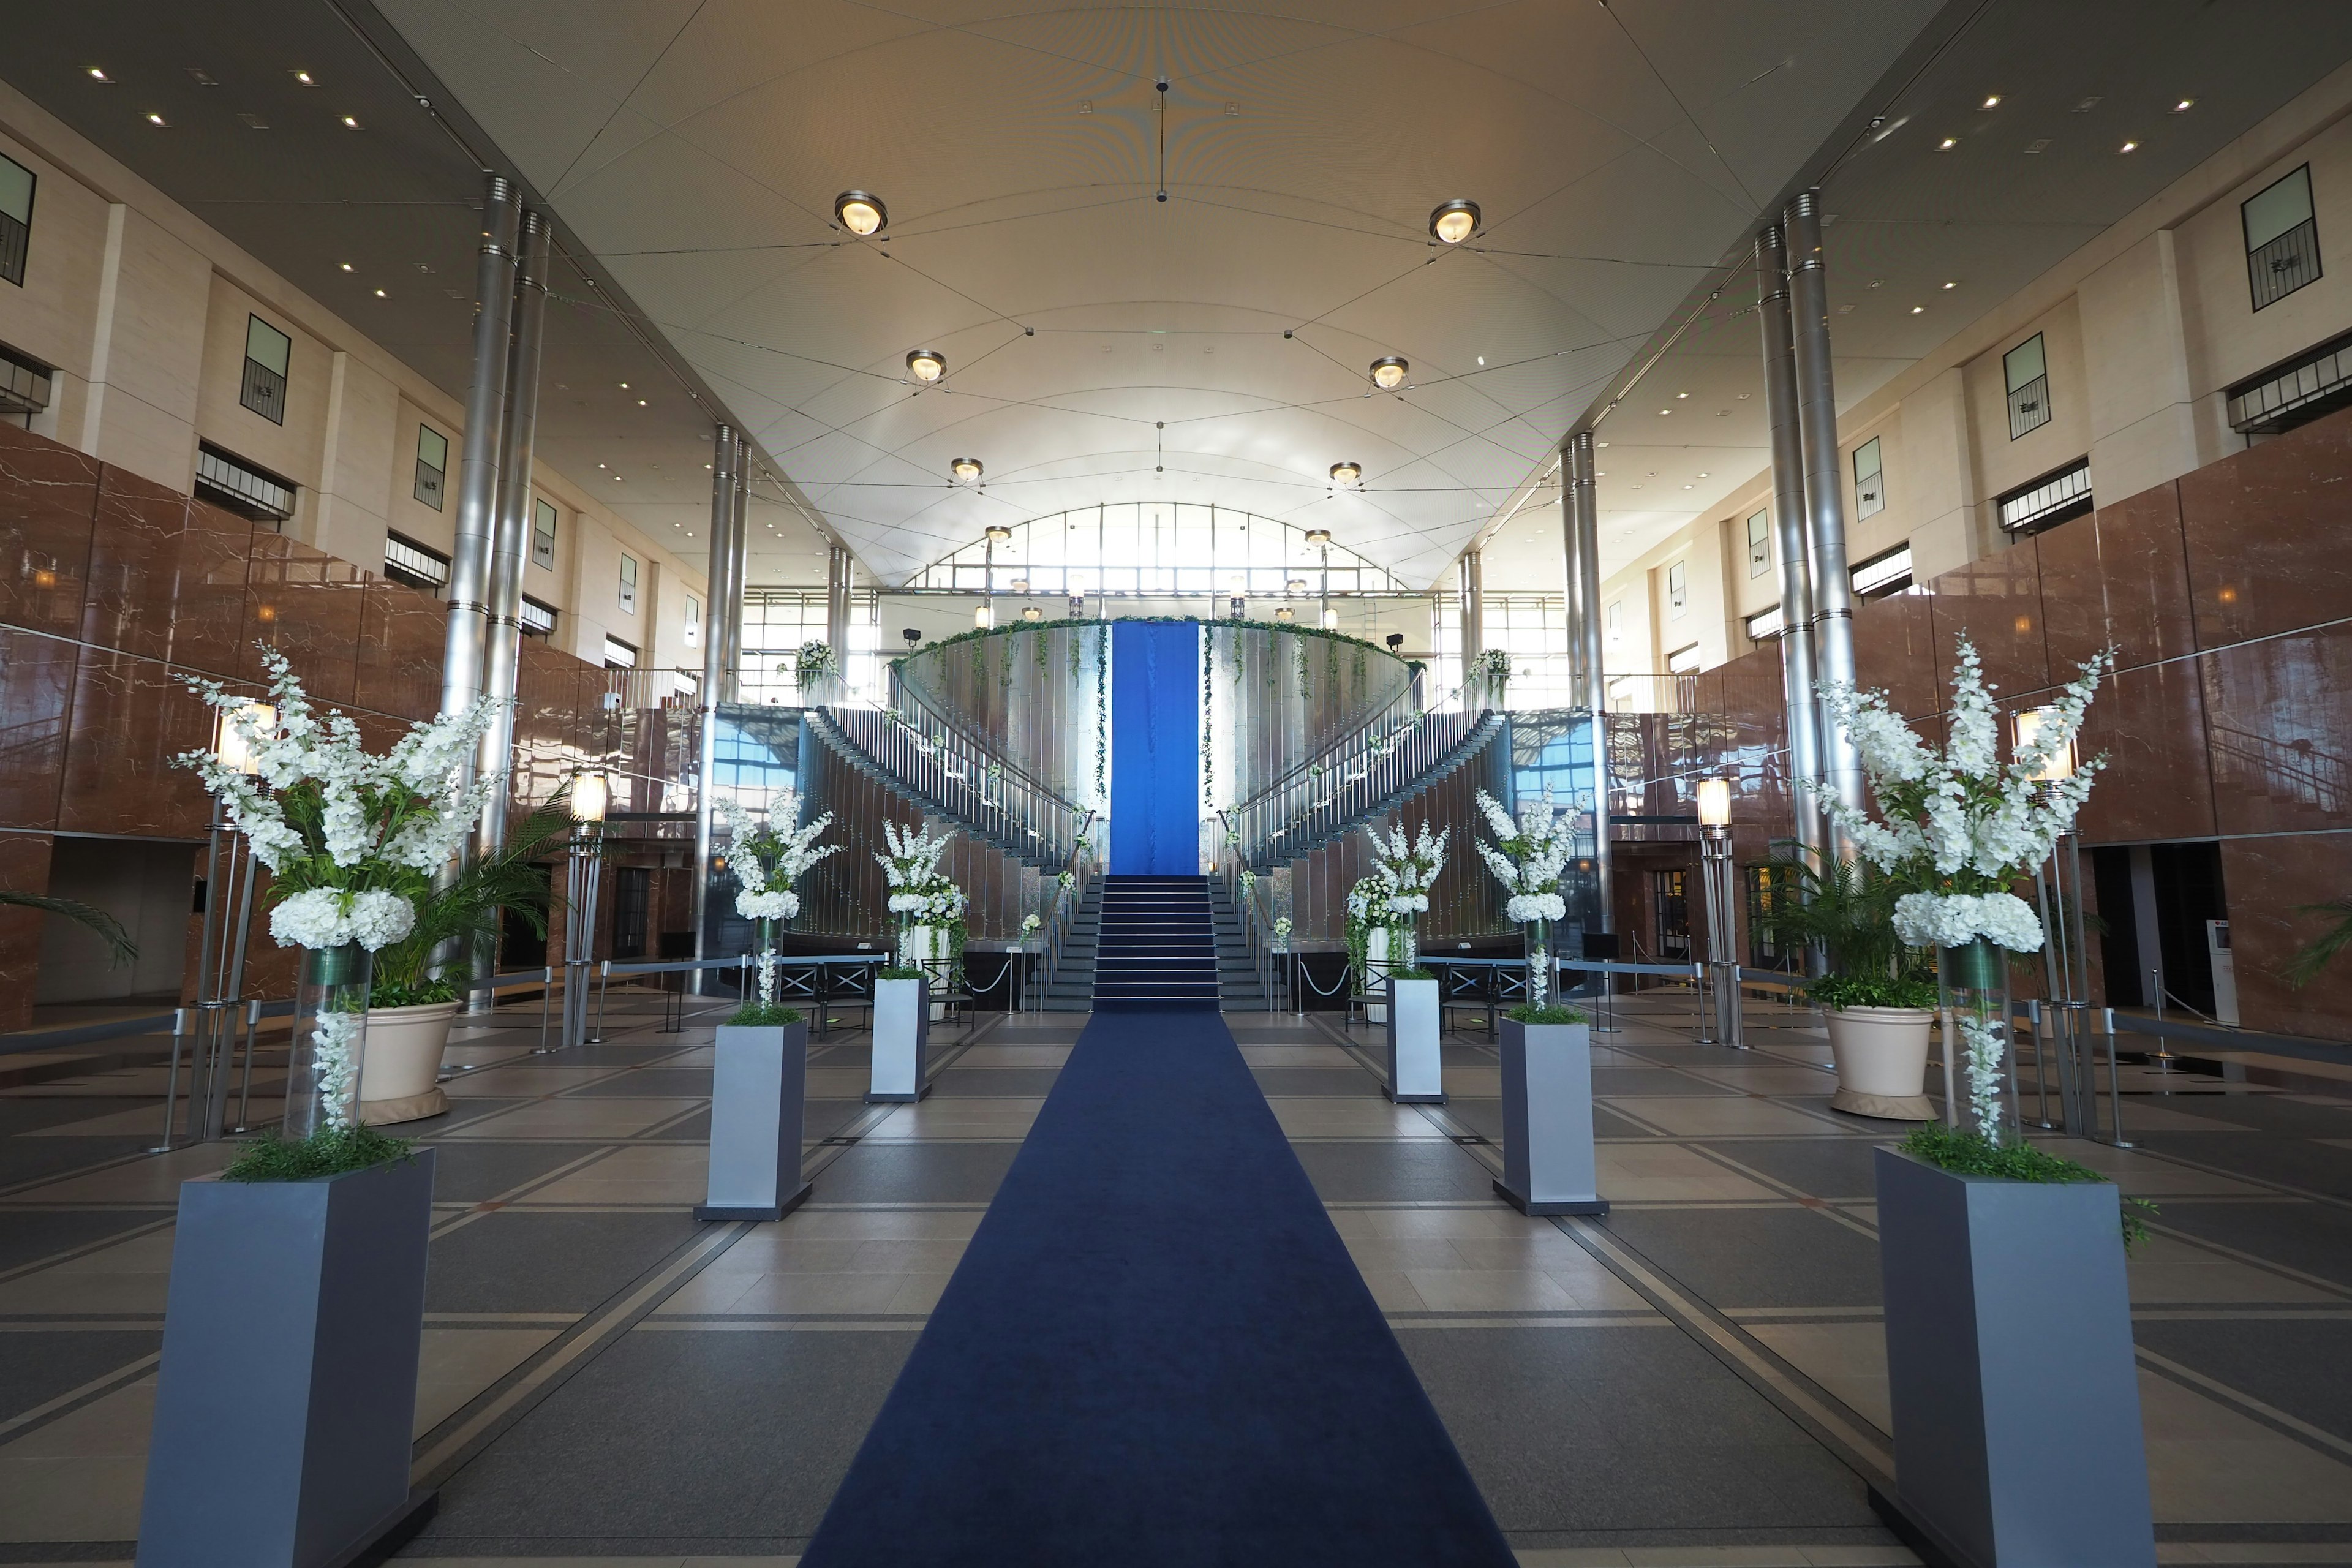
(1157, 946)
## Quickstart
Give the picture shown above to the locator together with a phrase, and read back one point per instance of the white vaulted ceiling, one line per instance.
(1105, 346)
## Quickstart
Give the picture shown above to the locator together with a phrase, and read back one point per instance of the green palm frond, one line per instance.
(2311, 959)
(469, 908)
(108, 928)
(1843, 907)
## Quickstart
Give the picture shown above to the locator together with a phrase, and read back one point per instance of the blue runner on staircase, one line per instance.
(1157, 1351)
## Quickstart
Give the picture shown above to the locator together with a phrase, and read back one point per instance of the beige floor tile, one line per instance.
(1666, 1172)
(458, 1364)
(1488, 1290)
(596, 1117)
(1491, 1219)
(1847, 1359)
(2139, 1116)
(1475, 1083)
(1707, 1115)
(154, 1179)
(132, 1277)
(661, 1173)
(907, 1257)
(2165, 1270)
(839, 1083)
(1392, 1291)
(1300, 1056)
(1770, 1079)
(80, 1476)
(480, 1054)
(1021, 1057)
(132, 1123)
(910, 1225)
(1339, 1117)
(1394, 1254)
(790, 1294)
(783, 1254)
(522, 1081)
(955, 1120)
(2141, 1174)
(2208, 1464)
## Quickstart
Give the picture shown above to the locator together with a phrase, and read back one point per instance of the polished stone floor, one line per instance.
(1697, 1378)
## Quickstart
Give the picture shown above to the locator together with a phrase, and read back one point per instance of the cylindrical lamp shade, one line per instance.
(229, 743)
(591, 792)
(2031, 724)
(1713, 803)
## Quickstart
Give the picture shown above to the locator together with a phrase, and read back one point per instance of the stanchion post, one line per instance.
(172, 1081)
(244, 1085)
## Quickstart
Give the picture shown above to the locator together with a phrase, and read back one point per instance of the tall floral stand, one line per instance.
(1415, 1071)
(288, 1389)
(1376, 965)
(1548, 1165)
(2009, 1351)
(902, 1038)
(759, 1104)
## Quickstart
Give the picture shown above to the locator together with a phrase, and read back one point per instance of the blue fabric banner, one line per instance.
(1155, 749)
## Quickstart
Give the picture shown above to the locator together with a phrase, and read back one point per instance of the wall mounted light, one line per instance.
(859, 213)
(1388, 371)
(967, 470)
(1454, 221)
(926, 365)
(1347, 473)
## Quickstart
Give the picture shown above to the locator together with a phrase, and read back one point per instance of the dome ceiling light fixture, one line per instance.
(967, 470)
(860, 214)
(1454, 221)
(1318, 536)
(1347, 473)
(997, 533)
(926, 365)
(1388, 371)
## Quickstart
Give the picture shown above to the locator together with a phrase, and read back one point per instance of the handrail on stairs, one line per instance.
(1241, 886)
(1282, 824)
(1069, 897)
(967, 779)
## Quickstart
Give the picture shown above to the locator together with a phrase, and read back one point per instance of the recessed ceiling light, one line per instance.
(1665, 411)
(305, 79)
(155, 120)
(1682, 394)
(2128, 147)
(2184, 106)
(926, 365)
(1702, 473)
(1951, 285)
(382, 295)
(641, 403)
(967, 470)
(1918, 310)
(1686, 487)
(859, 213)
(351, 122)
(1947, 143)
(1743, 398)
(1347, 473)
(347, 267)
(1482, 359)
(1877, 282)
(2038, 144)
(1992, 100)
(1454, 221)
(1388, 371)
(98, 75)
(1601, 443)
(604, 465)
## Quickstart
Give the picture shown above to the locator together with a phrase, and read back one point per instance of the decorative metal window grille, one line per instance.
(406, 561)
(2280, 399)
(1683, 661)
(1760, 544)
(1883, 575)
(243, 488)
(2026, 368)
(16, 218)
(2048, 501)
(1678, 591)
(1764, 625)
(432, 465)
(23, 383)
(538, 619)
(619, 655)
(267, 354)
(1869, 481)
(693, 621)
(629, 584)
(542, 535)
(2282, 237)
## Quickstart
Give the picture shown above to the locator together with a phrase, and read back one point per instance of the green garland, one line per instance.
(1285, 627)
(1102, 713)
(1208, 719)
(1305, 692)
(1965, 1152)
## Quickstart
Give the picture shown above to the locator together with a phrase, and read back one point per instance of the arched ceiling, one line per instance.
(1105, 344)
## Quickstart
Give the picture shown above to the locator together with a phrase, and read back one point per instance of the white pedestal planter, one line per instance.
(1547, 1160)
(1376, 960)
(759, 1092)
(1414, 1072)
(289, 1381)
(400, 1070)
(2009, 1358)
(1882, 1061)
(902, 1038)
(928, 948)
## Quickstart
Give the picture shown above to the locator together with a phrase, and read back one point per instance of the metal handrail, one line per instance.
(1229, 866)
(964, 780)
(1400, 713)
(1081, 869)
(1276, 825)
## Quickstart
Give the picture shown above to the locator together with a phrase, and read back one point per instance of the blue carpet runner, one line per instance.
(1155, 945)
(1157, 1351)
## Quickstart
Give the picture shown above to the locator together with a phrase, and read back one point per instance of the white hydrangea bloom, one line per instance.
(769, 905)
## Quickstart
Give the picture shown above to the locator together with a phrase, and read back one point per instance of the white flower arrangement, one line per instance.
(812, 661)
(1528, 857)
(767, 861)
(1029, 924)
(1282, 929)
(1411, 865)
(920, 894)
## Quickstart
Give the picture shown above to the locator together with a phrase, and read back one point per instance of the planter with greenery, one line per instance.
(902, 1035)
(1415, 1074)
(1878, 997)
(1528, 857)
(1548, 1164)
(758, 1107)
(927, 904)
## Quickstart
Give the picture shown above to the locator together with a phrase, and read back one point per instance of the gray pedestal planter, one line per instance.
(902, 1040)
(759, 1092)
(289, 1382)
(1547, 1160)
(1415, 1071)
(2008, 1355)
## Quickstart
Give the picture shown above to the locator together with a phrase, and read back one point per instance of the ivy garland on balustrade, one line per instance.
(1208, 719)
(1102, 716)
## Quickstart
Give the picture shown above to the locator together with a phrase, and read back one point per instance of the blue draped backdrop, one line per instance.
(1155, 749)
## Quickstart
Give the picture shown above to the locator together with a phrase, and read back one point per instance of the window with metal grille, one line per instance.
(1760, 544)
(267, 354)
(629, 584)
(2317, 381)
(1883, 575)
(406, 561)
(2282, 237)
(543, 536)
(538, 619)
(2026, 368)
(1764, 625)
(1678, 591)
(23, 383)
(2048, 500)
(1869, 481)
(693, 621)
(230, 481)
(16, 218)
(432, 465)
(619, 655)
(1683, 661)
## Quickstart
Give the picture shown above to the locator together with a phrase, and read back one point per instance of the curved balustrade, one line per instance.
(949, 770)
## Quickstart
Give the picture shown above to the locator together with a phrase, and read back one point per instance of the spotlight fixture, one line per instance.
(1454, 221)
(1396, 640)
(997, 533)
(912, 636)
(926, 365)
(966, 469)
(1347, 473)
(1388, 371)
(860, 214)
(1318, 536)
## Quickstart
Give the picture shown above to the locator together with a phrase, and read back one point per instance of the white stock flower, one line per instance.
(313, 919)
(1956, 920)
(756, 905)
(380, 918)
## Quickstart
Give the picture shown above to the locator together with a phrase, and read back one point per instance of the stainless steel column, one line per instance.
(1572, 577)
(739, 545)
(836, 606)
(1833, 585)
(1584, 507)
(714, 675)
(1798, 668)
(1472, 592)
(478, 466)
(502, 650)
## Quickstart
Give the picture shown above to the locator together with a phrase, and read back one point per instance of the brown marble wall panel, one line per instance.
(2281, 732)
(24, 868)
(1996, 603)
(2150, 724)
(166, 576)
(2269, 534)
(1894, 652)
(48, 495)
(1756, 700)
(131, 717)
(2265, 881)
(37, 679)
(2118, 577)
(305, 603)
(402, 638)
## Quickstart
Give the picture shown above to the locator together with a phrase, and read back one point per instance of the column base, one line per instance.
(720, 1214)
(1572, 1205)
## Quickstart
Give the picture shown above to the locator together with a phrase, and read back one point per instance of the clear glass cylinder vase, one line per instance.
(330, 1040)
(1972, 992)
(1405, 946)
(766, 962)
(1538, 935)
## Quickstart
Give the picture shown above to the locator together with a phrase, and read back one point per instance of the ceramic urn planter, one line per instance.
(902, 1038)
(1414, 1069)
(1548, 1165)
(400, 1071)
(759, 1103)
(2010, 1363)
(288, 1389)
(1882, 1061)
